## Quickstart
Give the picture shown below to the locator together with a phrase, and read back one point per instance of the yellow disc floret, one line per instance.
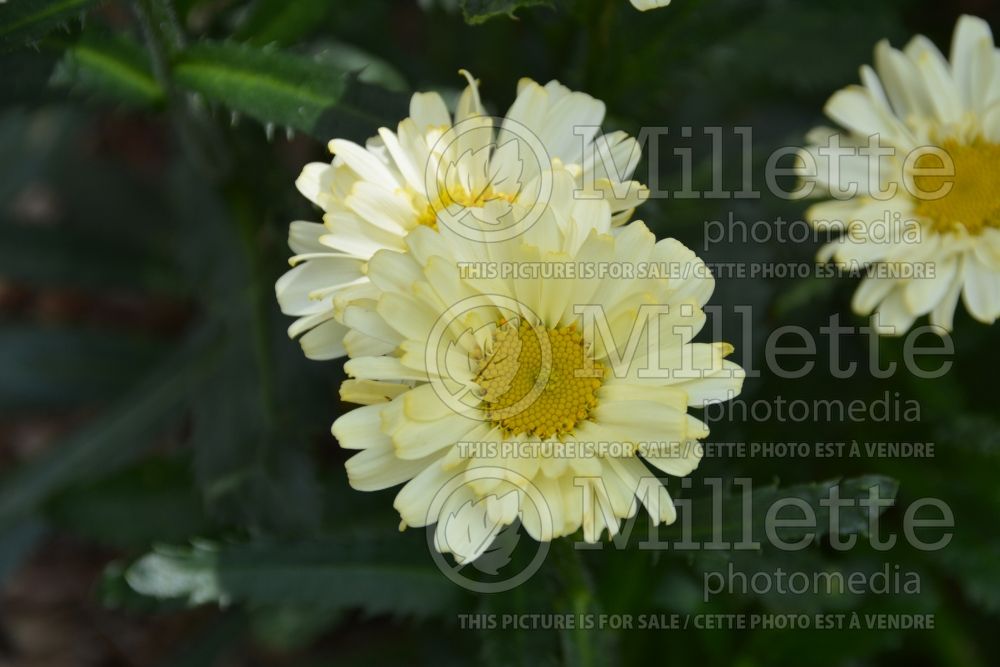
(537, 381)
(973, 200)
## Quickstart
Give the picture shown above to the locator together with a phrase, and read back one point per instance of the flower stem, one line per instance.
(576, 597)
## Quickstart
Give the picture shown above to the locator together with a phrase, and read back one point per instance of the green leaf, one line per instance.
(379, 575)
(370, 69)
(976, 566)
(480, 11)
(26, 21)
(109, 441)
(114, 68)
(836, 648)
(853, 519)
(287, 628)
(280, 89)
(974, 433)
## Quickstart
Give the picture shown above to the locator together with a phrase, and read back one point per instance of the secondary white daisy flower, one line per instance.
(489, 394)
(942, 122)
(434, 169)
(646, 5)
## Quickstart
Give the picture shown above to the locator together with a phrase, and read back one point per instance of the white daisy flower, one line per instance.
(434, 169)
(646, 5)
(942, 121)
(490, 394)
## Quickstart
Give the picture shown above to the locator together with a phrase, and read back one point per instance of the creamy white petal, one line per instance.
(364, 163)
(922, 295)
(892, 317)
(304, 289)
(325, 341)
(646, 5)
(377, 468)
(369, 392)
(972, 60)
(981, 291)
(360, 428)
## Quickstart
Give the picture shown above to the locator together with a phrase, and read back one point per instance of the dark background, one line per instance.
(171, 494)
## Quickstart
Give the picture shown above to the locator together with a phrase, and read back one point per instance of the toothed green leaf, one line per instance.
(280, 89)
(377, 574)
(480, 11)
(112, 68)
(25, 21)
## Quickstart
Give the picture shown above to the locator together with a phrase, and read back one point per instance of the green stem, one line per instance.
(576, 597)
(600, 15)
(246, 218)
(163, 36)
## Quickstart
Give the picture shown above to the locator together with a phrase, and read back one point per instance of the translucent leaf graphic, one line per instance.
(506, 168)
(469, 531)
(500, 375)
(468, 172)
(485, 179)
(497, 556)
(457, 366)
(457, 361)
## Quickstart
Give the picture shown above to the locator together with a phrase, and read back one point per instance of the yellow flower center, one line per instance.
(539, 381)
(459, 195)
(973, 202)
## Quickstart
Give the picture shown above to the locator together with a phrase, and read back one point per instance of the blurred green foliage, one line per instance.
(150, 153)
